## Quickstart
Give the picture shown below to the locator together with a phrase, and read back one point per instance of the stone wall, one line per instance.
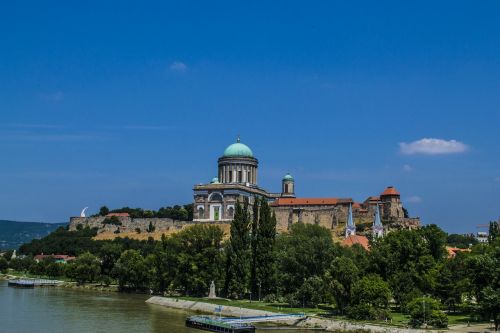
(127, 224)
(334, 218)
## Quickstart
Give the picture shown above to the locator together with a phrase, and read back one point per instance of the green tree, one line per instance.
(340, 278)
(264, 254)
(131, 270)
(253, 245)
(162, 264)
(54, 269)
(371, 290)
(109, 254)
(403, 258)
(461, 241)
(85, 268)
(21, 264)
(306, 251)
(238, 253)
(103, 211)
(436, 240)
(494, 231)
(451, 281)
(4, 264)
(370, 299)
(311, 293)
(489, 283)
(199, 258)
(480, 271)
(426, 311)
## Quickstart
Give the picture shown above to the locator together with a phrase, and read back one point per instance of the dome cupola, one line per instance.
(238, 149)
(238, 165)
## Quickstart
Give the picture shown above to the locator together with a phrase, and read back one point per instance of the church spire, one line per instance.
(378, 228)
(350, 229)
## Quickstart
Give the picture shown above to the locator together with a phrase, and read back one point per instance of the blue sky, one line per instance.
(132, 103)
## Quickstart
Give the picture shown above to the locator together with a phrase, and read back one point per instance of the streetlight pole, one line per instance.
(423, 305)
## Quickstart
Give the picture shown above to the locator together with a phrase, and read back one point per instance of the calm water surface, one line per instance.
(49, 309)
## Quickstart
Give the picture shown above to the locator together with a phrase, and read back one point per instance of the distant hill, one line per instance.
(13, 234)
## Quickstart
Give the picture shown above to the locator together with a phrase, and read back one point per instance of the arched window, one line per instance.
(230, 212)
(216, 197)
(201, 213)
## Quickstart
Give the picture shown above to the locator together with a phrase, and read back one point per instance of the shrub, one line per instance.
(367, 312)
(114, 220)
(426, 310)
(4, 264)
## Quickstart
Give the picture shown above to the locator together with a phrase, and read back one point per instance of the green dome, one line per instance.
(238, 150)
(288, 177)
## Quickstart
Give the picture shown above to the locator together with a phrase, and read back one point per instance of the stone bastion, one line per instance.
(127, 224)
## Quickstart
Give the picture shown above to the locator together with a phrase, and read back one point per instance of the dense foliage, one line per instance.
(183, 213)
(407, 270)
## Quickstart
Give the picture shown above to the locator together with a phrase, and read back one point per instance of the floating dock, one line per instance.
(215, 324)
(32, 283)
(236, 325)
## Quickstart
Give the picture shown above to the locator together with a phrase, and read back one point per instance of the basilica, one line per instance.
(237, 177)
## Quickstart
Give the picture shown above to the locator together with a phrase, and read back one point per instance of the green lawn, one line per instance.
(398, 319)
(256, 305)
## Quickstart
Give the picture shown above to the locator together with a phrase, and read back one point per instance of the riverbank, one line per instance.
(309, 322)
(65, 284)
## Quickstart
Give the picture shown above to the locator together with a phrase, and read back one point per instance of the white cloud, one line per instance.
(407, 168)
(52, 97)
(178, 66)
(414, 199)
(431, 146)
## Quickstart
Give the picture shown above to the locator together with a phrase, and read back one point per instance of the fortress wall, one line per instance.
(128, 223)
(334, 218)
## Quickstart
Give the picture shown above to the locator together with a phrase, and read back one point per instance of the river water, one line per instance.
(54, 310)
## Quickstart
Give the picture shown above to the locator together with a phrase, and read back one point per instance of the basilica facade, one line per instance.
(237, 178)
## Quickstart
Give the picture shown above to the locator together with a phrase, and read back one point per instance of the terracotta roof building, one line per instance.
(356, 239)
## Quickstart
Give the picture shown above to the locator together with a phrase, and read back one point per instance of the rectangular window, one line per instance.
(239, 176)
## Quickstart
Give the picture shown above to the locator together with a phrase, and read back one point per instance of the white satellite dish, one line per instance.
(82, 214)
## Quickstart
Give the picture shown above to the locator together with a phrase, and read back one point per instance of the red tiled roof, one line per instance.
(54, 256)
(118, 214)
(373, 198)
(390, 190)
(452, 251)
(356, 205)
(356, 239)
(309, 201)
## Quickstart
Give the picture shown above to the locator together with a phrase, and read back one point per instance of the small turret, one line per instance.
(378, 228)
(288, 186)
(350, 229)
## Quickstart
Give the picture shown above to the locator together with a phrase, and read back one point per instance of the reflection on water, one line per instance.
(54, 310)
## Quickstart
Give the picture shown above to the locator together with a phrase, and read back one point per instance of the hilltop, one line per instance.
(14, 233)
